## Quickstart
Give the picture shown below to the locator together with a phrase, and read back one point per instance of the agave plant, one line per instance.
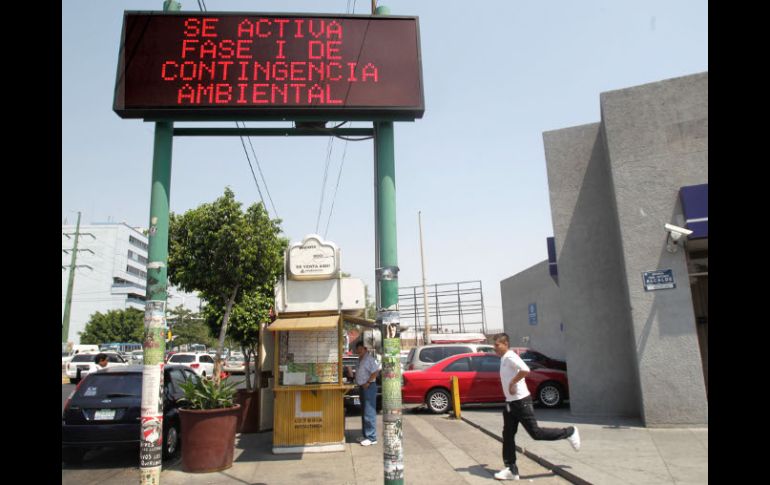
(207, 394)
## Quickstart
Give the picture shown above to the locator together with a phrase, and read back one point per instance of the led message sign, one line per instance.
(268, 66)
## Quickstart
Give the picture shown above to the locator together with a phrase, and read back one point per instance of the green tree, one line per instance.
(114, 326)
(222, 252)
(189, 327)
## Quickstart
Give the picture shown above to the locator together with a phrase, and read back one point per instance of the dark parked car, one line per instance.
(352, 400)
(105, 410)
(479, 382)
(529, 356)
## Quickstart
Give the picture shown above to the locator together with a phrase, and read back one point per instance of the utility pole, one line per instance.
(65, 323)
(154, 345)
(424, 289)
(386, 257)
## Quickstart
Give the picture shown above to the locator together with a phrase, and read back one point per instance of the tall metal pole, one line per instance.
(424, 288)
(151, 444)
(154, 344)
(65, 322)
(387, 310)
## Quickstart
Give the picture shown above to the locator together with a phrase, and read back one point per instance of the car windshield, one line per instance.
(84, 358)
(103, 385)
(182, 358)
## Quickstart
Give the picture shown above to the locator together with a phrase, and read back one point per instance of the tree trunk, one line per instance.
(247, 359)
(222, 333)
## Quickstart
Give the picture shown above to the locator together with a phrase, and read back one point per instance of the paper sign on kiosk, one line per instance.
(293, 378)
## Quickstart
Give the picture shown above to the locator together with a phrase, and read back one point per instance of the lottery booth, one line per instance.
(311, 302)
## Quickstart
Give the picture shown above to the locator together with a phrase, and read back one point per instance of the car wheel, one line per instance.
(438, 401)
(204, 373)
(171, 441)
(72, 456)
(550, 395)
(73, 380)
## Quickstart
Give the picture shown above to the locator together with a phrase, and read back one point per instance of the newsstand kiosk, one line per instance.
(308, 386)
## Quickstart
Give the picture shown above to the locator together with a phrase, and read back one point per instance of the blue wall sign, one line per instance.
(661, 279)
(533, 313)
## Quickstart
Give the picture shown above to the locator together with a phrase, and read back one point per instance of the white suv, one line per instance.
(202, 364)
(425, 356)
(83, 364)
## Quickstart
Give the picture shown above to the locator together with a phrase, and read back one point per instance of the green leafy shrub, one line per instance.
(207, 394)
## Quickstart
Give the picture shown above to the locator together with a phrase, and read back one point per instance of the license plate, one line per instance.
(357, 401)
(104, 414)
(83, 367)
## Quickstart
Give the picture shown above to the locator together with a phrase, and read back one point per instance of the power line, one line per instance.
(323, 184)
(264, 181)
(252, 168)
(334, 197)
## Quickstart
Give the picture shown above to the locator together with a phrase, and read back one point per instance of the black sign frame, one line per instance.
(268, 113)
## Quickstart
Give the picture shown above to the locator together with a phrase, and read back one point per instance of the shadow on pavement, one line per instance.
(482, 471)
(564, 415)
(118, 458)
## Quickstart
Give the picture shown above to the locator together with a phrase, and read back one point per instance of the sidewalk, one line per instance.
(613, 450)
(437, 449)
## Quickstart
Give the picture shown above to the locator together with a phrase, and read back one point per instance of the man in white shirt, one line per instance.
(518, 409)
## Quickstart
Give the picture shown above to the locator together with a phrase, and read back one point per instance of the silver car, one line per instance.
(424, 356)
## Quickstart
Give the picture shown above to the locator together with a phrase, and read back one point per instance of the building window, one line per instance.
(136, 272)
(136, 257)
(121, 282)
(136, 242)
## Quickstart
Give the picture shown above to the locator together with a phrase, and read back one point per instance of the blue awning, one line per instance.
(695, 205)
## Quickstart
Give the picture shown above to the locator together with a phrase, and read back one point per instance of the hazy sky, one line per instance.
(496, 75)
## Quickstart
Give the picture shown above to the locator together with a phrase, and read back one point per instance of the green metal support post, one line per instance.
(387, 307)
(154, 346)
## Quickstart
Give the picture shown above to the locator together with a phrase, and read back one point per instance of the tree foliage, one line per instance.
(114, 326)
(189, 327)
(223, 253)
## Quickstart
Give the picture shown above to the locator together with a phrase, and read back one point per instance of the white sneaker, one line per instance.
(506, 474)
(574, 439)
(368, 442)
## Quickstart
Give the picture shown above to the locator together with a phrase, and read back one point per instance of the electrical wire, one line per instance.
(323, 184)
(334, 197)
(252, 168)
(262, 175)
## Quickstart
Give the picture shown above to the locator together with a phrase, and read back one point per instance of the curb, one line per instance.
(542, 461)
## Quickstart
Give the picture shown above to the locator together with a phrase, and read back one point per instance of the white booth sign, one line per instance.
(313, 259)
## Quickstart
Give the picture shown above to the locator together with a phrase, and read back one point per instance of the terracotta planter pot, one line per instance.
(248, 420)
(208, 438)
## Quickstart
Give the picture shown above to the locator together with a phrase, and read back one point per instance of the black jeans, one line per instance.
(521, 411)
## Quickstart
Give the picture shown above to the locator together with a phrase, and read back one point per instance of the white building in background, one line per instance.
(111, 273)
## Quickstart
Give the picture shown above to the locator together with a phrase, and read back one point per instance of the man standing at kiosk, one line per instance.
(366, 378)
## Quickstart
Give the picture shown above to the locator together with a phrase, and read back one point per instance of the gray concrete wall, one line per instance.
(533, 285)
(657, 141)
(599, 342)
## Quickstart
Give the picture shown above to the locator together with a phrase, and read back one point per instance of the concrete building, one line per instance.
(634, 302)
(111, 273)
(531, 313)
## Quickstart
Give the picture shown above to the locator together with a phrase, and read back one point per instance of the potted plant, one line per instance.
(209, 419)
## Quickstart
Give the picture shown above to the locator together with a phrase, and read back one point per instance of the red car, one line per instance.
(479, 382)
